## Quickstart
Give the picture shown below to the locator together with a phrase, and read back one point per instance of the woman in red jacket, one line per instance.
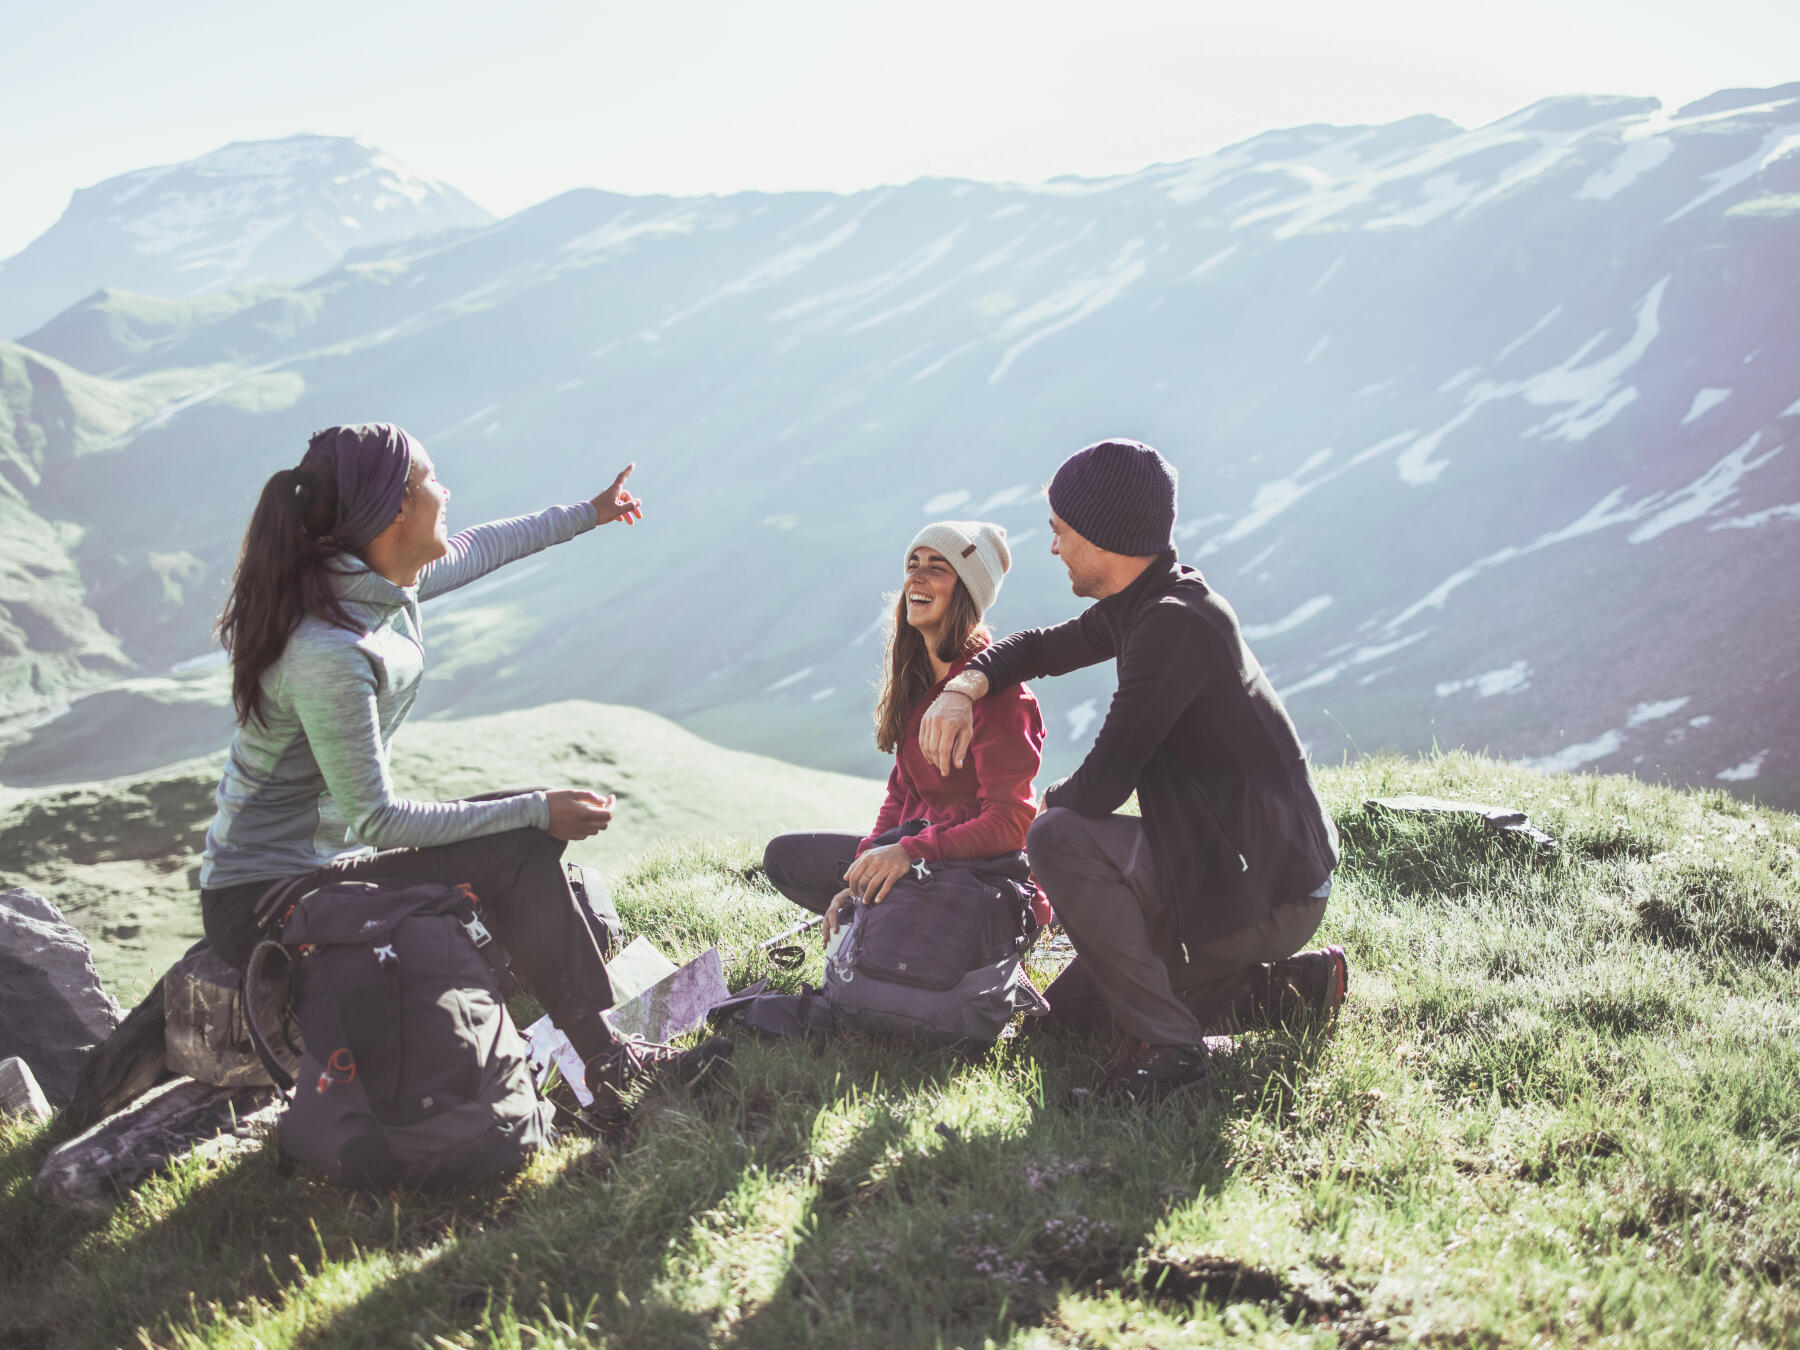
(984, 805)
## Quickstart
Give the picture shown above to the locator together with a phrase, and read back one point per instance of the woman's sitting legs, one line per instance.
(525, 901)
(808, 868)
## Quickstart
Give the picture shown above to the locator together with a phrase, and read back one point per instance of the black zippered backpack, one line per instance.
(410, 1068)
(940, 957)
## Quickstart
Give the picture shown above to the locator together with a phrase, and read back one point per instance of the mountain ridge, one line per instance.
(1486, 434)
(246, 212)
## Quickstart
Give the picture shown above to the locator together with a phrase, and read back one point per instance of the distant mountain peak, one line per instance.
(247, 212)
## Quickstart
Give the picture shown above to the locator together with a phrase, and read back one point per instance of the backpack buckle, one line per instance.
(477, 930)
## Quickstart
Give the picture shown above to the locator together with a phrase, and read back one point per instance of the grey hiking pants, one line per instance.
(1099, 876)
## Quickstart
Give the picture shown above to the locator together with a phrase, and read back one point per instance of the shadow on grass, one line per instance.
(855, 1192)
(992, 1222)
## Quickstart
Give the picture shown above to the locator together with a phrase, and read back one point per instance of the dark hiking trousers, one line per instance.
(525, 902)
(1098, 875)
(809, 868)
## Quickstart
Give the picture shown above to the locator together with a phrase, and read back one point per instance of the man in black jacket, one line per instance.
(1186, 919)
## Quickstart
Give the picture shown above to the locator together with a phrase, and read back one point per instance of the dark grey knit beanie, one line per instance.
(1119, 496)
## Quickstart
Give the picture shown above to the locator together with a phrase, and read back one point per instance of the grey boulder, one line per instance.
(52, 1008)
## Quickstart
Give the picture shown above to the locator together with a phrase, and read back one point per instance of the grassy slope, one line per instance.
(119, 857)
(1560, 1108)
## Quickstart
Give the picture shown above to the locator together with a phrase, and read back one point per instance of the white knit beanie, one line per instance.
(975, 548)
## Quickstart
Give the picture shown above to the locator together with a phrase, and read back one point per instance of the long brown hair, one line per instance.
(283, 574)
(906, 668)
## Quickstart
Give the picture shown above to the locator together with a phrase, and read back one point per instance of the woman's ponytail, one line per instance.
(283, 574)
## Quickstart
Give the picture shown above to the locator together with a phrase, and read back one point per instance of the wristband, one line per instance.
(951, 687)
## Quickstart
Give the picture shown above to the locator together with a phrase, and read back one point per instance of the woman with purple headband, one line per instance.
(327, 655)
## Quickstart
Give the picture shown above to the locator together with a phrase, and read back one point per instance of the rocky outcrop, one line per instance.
(91, 1171)
(52, 1008)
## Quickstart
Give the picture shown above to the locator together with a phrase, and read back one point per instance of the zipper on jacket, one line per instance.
(1219, 824)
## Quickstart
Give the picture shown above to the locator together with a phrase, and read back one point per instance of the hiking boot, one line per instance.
(1145, 1074)
(635, 1062)
(1312, 982)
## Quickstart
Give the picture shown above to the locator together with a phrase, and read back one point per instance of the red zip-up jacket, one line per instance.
(983, 809)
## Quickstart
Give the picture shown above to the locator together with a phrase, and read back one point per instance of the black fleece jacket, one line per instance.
(1234, 820)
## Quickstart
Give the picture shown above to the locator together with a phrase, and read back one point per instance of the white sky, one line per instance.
(695, 96)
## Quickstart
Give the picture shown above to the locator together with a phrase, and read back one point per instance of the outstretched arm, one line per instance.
(477, 551)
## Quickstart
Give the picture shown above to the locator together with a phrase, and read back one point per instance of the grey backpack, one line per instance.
(939, 960)
(410, 1068)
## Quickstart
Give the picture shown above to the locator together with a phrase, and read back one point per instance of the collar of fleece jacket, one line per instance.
(1161, 574)
(354, 580)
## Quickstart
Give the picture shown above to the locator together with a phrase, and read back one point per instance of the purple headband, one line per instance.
(373, 460)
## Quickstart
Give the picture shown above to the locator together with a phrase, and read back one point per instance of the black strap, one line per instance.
(252, 976)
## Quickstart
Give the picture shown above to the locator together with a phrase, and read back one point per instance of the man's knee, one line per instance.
(1054, 836)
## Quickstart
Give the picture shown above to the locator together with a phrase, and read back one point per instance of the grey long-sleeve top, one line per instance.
(311, 783)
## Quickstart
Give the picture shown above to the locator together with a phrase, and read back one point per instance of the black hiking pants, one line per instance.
(524, 899)
(808, 868)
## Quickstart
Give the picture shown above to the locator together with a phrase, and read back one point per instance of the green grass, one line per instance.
(1562, 1107)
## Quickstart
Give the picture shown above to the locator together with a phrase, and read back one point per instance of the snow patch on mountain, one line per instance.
(1081, 717)
(1271, 499)
(1704, 401)
(1071, 305)
(926, 372)
(624, 229)
(1604, 514)
(1713, 489)
(788, 681)
(1360, 656)
(1306, 609)
(777, 268)
(1212, 261)
(829, 307)
(1005, 497)
(1572, 757)
(1743, 773)
(1656, 710)
(1786, 511)
(1528, 334)
(1638, 158)
(1512, 679)
(1593, 392)
(1777, 144)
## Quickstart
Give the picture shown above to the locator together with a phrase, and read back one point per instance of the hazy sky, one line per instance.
(694, 96)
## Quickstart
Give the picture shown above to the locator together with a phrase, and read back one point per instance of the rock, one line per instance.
(1499, 819)
(52, 1008)
(20, 1094)
(92, 1170)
